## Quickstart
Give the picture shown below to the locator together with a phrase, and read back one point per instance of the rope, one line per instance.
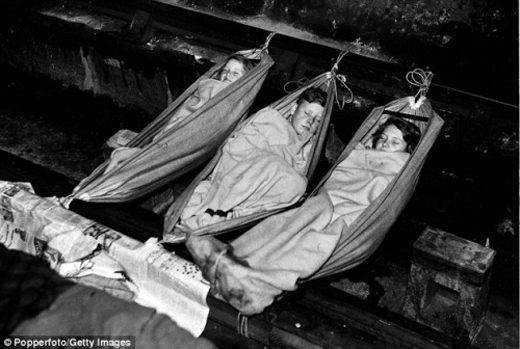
(335, 79)
(340, 57)
(298, 83)
(219, 257)
(342, 80)
(258, 52)
(421, 79)
(267, 41)
(243, 325)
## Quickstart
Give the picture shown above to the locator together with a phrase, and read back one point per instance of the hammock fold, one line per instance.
(188, 144)
(173, 233)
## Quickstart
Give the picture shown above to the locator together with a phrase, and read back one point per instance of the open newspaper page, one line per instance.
(78, 248)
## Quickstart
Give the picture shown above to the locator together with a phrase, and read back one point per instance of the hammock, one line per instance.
(182, 148)
(361, 238)
(306, 243)
(173, 233)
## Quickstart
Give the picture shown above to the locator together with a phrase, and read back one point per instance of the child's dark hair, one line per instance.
(313, 95)
(411, 133)
(248, 65)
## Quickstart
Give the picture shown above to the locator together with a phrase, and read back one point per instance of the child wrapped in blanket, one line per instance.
(261, 167)
(359, 179)
(256, 268)
(236, 66)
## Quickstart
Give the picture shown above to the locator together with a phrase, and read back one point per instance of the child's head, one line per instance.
(235, 67)
(307, 112)
(396, 135)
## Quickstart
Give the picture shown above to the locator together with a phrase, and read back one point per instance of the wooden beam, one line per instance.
(316, 315)
(370, 74)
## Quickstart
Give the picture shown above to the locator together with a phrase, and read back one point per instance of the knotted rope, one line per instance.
(342, 80)
(219, 257)
(257, 52)
(297, 83)
(421, 79)
(243, 325)
(267, 41)
(335, 78)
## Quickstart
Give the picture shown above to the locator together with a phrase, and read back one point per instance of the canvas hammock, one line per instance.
(361, 238)
(173, 233)
(183, 147)
(305, 243)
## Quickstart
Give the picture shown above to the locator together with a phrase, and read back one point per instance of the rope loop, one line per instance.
(420, 78)
(219, 257)
(335, 79)
(243, 325)
(342, 80)
(297, 83)
(340, 57)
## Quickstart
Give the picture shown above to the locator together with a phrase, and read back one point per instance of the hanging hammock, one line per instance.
(361, 238)
(175, 233)
(183, 147)
(306, 242)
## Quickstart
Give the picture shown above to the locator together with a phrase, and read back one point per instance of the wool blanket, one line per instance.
(284, 249)
(360, 179)
(261, 168)
(206, 90)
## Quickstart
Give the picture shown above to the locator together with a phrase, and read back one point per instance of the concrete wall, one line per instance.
(476, 40)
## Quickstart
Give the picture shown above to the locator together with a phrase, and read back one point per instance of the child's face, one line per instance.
(391, 140)
(306, 117)
(232, 71)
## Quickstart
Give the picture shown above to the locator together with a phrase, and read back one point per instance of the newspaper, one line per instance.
(163, 281)
(166, 282)
(37, 226)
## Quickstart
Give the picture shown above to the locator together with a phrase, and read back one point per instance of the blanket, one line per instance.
(284, 249)
(261, 168)
(206, 90)
(360, 179)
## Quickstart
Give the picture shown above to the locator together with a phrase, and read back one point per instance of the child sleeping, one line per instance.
(359, 179)
(262, 166)
(236, 66)
(274, 255)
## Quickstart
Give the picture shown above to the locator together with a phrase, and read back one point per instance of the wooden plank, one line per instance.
(225, 337)
(333, 319)
(130, 219)
(395, 330)
(259, 329)
(232, 36)
(314, 316)
(44, 181)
